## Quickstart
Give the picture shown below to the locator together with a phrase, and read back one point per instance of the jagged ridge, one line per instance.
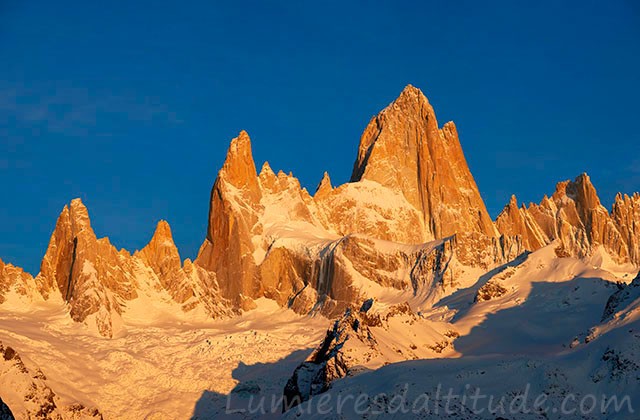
(576, 218)
(411, 221)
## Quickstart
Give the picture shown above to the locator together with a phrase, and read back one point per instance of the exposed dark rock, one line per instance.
(5, 412)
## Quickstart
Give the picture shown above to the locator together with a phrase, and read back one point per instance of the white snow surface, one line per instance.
(174, 369)
(167, 364)
(543, 336)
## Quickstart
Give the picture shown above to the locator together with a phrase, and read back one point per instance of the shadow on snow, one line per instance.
(258, 393)
(551, 316)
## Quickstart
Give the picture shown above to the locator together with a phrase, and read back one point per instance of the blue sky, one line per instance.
(130, 105)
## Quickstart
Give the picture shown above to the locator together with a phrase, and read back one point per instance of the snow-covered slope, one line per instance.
(165, 363)
(599, 381)
(520, 345)
(401, 263)
(27, 392)
(172, 369)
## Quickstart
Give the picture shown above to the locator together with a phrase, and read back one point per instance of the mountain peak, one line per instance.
(163, 231)
(75, 259)
(73, 221)
(411, 92)
(240, 146)
(266, 170)
(403, 148)
(411, 104)
(324, 187)
(583, 192)
(78, 216)
(239, 168)
(77, 202)
(161, 254)
(561, 190)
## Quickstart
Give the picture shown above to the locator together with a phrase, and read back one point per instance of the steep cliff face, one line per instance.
(268, 237)
(575, 216)
(161, 254)
(626, 216)
(90, 273)
(235, 202)
(403, 149)
(411, 185)
(98, 282)
(324, 187)
(518, 221)
(410, 223)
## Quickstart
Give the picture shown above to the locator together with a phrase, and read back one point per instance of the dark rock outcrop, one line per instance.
(5, 412)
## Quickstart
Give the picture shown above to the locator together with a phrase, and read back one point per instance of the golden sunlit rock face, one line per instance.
(411, 220)
(15, 279)
(96, 280)
(161, 254)
(575, 217)
(626, 216)
(268, 237)
(233, 214)
(90, 274)
(403, 149)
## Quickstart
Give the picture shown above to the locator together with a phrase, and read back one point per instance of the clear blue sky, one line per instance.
(130, 105)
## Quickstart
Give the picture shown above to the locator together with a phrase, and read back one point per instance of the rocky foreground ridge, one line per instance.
(28, 393)
(409, 222)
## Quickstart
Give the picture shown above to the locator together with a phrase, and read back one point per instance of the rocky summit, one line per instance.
(397, 276)
(431, 171)
(575, 218)
(411, 220)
